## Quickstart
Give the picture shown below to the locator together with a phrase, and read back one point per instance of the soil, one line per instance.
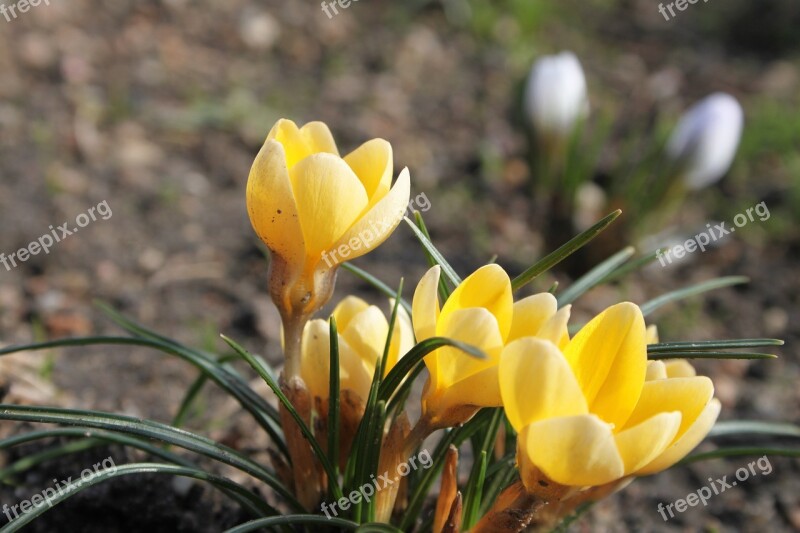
(158, 107)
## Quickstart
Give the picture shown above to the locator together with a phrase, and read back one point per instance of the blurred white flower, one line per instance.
(556, 95)
(706, 139)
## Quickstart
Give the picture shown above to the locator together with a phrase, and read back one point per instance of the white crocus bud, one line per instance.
(706, 139)
(556, 96)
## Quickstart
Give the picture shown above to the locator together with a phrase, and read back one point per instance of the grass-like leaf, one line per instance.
(474, 490)
(501, 473)
(444, 290)
(264, 414)
(376, 283)
(728, 428)
(595, 276)
(294, 520)
(709, 355)
(737, 451)
(334, 401)
(688, 292)
(701, 346)
(564, 251)
(151, 430)
(630, 266)
(264, 373)
(455, 437)
(85, 433)
(407, 363)
(447, 270)
(252, 502)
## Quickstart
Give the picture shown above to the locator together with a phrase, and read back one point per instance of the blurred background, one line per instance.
(158, 108)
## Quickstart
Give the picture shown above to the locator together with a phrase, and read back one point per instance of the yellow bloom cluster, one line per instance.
(589, 411)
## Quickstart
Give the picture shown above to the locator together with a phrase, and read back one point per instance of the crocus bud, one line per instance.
(704, 143)
(314, 209)
(556, 96)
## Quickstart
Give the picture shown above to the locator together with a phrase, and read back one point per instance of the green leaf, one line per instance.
(371, 437)
(474, 490)
(31, 460)
(444, 290)
(270, 381)
(264, 414)
(291, 520)
(501, 473)
(694, 290)
(415, 355)
(754, 427)
(447, 270)
(243, 496)
(334, 399)
(573, 245)
(700, 346)
(595, 276)
(709, 355)
(740, 451)
(375, 282)
(152, 430)
(631, 266)
(377, 527)
(88, 438)
(90, 434)
(455, 437)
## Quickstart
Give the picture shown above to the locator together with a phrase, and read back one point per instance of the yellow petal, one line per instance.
(536, 382)
(609, 358)
(355, 373)
(366, 334)
(679, 368)
(687, 442)
(656, 370)
(555, 329)
(574, 450)
(687, 395)
(299, 143)
(642, 443)
(318, 138)
(425, 305)
(530, 314)
(488, 287)
(372, 163)
(316, 358)
(271, 204)
(480, 389)
(329, 198)
(402, 339)
(346, 310)
(652, 334)
(475, 326)
(378, 223)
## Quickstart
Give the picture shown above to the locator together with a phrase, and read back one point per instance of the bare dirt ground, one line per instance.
(158, 108)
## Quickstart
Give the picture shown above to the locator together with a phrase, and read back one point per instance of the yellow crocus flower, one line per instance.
(480, 312)
(314, 209)
(363, 330)
(592, 412)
